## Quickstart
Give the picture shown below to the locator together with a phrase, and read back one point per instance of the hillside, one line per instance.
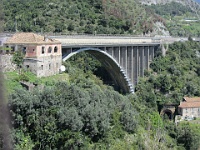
(157, 2)
(90, 17)
(100, 17)
(80, 112)
(75, 109)
(180, 19)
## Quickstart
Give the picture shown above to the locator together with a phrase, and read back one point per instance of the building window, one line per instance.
(42, 67)
(49, 66)
(55, 49)
(27, 66)
(49, 49)
(8, 50)
(12, 48)
(24, 50)
(43, 49)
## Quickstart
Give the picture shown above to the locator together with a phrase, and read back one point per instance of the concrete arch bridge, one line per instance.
(125, 58)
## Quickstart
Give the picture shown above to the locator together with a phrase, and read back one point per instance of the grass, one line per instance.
(12, 79)
(196, 121)
(58, 77)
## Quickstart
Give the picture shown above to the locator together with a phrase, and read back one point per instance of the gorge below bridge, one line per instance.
(125, 58)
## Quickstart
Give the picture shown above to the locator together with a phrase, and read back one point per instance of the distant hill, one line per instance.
(149, 2)
(79, 16)
(100, 17)
(175, 14)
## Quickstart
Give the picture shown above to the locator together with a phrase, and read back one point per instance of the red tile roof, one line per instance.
(190, 102)
(30, 38)
(192, 99)
(189, 105)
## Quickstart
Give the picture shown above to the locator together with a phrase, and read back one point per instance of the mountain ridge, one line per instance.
(185, 2)
(100, 17)
(193, 4)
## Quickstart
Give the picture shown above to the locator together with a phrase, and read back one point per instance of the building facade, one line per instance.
(189, 107)
(43, 56)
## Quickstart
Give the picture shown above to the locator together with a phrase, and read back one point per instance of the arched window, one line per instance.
(49, 49)
(43, 49)
(55, 49)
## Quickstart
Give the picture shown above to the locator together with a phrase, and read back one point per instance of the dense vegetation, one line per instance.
(171, 9)
(1, 16)
(80, 112)
(75, 110)
(85, 16)
(96, 17)
(180, 20)
(177, 73)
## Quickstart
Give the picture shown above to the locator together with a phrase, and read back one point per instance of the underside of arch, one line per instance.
(167, 112)
(110, 64)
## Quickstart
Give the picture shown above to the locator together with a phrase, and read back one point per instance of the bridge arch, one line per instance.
(116, 72)
(167, 112)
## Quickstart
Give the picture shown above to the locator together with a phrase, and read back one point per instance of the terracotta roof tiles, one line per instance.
(190, 102)
(189, 105)
(192, 99)
(30, 38)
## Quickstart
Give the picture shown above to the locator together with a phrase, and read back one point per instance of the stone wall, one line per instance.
(6, 64)
(44, 66)
(190, 112)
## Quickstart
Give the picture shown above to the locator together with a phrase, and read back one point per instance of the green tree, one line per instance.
(189, 135)
(18, 58)
(70, 27)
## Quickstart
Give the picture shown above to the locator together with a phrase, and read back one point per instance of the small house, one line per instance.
(189, 107)
(43, 55)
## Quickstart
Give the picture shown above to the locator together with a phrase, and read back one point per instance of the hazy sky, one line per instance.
(198, 1)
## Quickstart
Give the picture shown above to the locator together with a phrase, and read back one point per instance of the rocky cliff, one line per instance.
(192, 4)
(184, 2)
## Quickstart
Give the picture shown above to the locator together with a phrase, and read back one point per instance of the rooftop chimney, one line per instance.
(45, 38)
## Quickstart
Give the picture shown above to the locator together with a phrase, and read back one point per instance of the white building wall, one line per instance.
(190, 112)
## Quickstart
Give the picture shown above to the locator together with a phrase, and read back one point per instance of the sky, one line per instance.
(197, 1)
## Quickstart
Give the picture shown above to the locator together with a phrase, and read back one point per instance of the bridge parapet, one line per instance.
(106, 41)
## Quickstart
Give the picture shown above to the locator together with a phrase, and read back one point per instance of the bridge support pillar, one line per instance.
(129, 62)
(141, 61)
(135, 64)
(116, 54)
(146, 57)
(164, 48)
(126, 59)
(123, 57)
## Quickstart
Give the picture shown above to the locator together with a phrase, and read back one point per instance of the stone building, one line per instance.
(189, 108)
(43, 56)
(3, 39)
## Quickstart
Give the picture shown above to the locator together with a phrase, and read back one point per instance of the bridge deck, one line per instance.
(101, 40)
(115, 40)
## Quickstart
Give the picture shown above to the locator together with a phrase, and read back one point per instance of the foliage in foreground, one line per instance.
(85, 114)
(67, 116)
